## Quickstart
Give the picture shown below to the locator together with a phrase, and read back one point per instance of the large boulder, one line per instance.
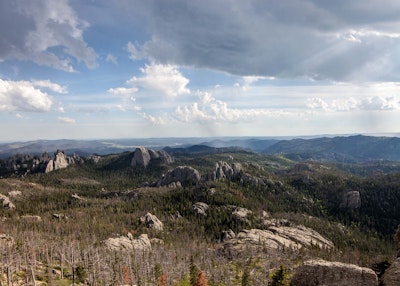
(143, 156)
(151, 221)
(6, 203)
(128, 243)
(183, 174)
(276, 238)
(321, 272)
(391, 277)
(351, 200)
(200, 208)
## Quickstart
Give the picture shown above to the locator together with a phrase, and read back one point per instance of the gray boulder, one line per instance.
(128, 243)
(351, 200)
(143, 156)
(200, 208)
(227, 235)
(76, 197)
(6, 203)
(151, 221)
(240, 214)
(321, 272)
(391, 277)
(60, 216)
(14, 194)
(182, 174)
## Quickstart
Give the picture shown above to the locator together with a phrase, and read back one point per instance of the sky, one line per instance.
(97, 69)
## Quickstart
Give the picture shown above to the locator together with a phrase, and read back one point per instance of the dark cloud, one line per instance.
(14, 29)
(338, 40)
(33, 30)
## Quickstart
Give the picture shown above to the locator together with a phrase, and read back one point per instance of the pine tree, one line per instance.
(193, 272)
(245, 277)
(279, 277)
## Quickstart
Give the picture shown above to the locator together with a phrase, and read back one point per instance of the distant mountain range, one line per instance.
(343, 149)
(351, 149)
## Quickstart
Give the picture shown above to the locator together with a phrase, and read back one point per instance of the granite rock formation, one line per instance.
(200, 208)
(128, 243)
(6, 203)
(351, 200)
(321, 272)
(151, 221)
(391, 277)
(183, 174)
(143, 156)
(276, 238)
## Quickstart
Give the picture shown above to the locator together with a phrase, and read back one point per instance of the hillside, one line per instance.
(351, 149)
(130, 217)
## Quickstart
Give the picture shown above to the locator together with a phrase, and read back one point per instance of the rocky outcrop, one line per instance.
(93, 158)
(128, 243)
(61, 161)
(351, 200)
(14, 194)
(6, 203)
(277, 238)
(320, 272)
(200, 208)
(21, 164)
(227, 235)
(60, 216)
(240, 214)
(391, 277)
(143, 156)
(151, 221)
(76, 197)
(223, 170)
(183, 174)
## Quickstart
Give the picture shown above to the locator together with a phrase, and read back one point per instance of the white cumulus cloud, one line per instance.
(23, 96)
(165, 79)
(50, 85)
(211, 110)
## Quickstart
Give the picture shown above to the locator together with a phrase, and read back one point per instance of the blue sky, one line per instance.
(175, 68)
